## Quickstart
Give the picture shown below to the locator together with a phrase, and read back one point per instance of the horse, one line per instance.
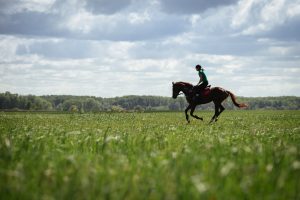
(214, 94)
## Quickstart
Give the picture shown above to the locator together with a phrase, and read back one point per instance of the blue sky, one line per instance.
(113, 48)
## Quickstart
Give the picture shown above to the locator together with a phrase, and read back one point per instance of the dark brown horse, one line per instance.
(215, 94)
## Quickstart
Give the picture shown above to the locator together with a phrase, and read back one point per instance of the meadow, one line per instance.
(245, 155)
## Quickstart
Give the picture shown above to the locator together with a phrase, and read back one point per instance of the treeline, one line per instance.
(9, 101)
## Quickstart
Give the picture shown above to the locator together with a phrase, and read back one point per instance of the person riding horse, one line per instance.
(215, 94)
(203, 82)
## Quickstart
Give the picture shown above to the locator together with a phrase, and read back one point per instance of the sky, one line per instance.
(110, 48)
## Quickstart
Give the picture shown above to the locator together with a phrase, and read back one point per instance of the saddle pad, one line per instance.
(205, 92)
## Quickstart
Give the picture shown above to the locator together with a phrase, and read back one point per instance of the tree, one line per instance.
(91, 104)
(73, 108)
(138, 108)
(117, 109)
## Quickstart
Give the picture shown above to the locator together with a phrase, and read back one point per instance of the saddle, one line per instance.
(204, 93)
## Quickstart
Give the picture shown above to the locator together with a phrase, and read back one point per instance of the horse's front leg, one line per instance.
(186, 113)
(192, 113)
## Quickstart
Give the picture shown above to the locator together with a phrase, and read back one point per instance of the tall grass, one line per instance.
(245, 155)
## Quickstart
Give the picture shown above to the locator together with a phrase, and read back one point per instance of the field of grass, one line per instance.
(245, 155)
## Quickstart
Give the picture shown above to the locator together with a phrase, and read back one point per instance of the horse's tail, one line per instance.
(233, 98)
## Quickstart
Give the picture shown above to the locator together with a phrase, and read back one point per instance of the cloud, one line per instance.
(16, 6)
(106, 6)
(123, 75)
(79, 23)
(31, 23)
(273, 18)
(103, 48)
(192, 6)
(288, 31)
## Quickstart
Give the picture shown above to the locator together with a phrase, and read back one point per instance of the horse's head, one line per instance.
(176, 90)
(180, 87)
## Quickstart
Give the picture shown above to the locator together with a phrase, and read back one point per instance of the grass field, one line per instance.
(245, 155)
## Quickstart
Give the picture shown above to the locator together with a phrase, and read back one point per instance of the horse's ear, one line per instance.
(173, 83)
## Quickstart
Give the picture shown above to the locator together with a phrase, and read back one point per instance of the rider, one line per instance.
(203, 82)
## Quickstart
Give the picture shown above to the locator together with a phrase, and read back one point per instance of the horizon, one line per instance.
(137, 95)
(114, 48)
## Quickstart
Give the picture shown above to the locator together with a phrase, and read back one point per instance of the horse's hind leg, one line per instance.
(216, 113)
(186, 113)
(192, 113)
(221, 107)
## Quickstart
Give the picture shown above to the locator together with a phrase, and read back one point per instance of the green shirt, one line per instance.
(202, 74)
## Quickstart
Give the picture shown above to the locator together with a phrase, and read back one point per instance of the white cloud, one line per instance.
(16, 6)
(82, 22)
(139, 18)
(243, 12)
(258, 16)
(103, 48)
(294, 9)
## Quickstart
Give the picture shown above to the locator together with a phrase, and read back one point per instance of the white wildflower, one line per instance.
(174, 155)
(112, 138)
(199, 184)
(296, 164)
(269, 167)
(7, 143)
(71, 158)
(41, 137)
(73, 133)
(234, 150)
(247, 149)
(172, 128)
(227, 168)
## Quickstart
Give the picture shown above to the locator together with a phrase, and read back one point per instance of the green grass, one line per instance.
(245, 155)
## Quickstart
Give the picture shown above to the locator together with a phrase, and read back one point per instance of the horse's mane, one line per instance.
(184, 83)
